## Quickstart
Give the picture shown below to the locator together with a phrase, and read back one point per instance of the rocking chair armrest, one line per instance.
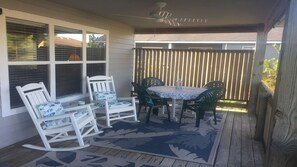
(77, 108)
(93, 105)
(126, 98)
(86, 107)
(68, 115)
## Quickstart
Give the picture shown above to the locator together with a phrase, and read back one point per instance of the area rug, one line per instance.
(167, 139)
(82, 159)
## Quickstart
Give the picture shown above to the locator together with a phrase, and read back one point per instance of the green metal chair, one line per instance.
(153, 101)
(151, 81)
(206, 101)
(149, 100)
(214, 84)
(140, 94)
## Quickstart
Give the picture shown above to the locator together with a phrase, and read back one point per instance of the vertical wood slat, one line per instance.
(197, 67)
(234, 72)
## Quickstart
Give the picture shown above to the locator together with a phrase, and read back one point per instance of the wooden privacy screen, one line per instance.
(197, 67)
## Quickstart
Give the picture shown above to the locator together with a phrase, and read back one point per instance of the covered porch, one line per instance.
(237, 145)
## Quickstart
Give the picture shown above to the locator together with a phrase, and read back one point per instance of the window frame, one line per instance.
(4, 63)
(248, 47)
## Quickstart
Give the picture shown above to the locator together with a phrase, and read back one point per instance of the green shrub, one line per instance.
(270, 67)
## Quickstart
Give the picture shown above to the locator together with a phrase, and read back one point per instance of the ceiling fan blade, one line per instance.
(172, 22)
(165, 14)
(168, 16)
(192, 20)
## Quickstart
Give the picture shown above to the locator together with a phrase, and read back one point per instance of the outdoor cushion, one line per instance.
(49, 109)
(120, 104)
(111, 98)
(101, 97)
(53, 108)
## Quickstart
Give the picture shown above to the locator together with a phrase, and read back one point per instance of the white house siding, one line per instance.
(121, 41)
(121, 60)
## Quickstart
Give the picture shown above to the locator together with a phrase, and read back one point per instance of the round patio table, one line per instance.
(176, 93)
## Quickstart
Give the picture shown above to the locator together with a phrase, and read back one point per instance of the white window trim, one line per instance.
(200, 47)
(248, 47)
(4, 63)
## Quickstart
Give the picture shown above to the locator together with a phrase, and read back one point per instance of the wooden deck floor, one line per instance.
(237, 148)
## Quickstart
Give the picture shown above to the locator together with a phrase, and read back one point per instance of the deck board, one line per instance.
(123, 154)
(224, 147)
(247, 144)
(156, 160)
(133, 156)
(145, 158)
(192, 164)
(179, 163)
(237, 148)
(258, 148)
(167, 162)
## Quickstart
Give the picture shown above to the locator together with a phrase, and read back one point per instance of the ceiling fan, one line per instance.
(162, 16)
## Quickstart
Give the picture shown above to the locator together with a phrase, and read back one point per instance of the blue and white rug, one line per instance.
(81, 159)
(167, 139)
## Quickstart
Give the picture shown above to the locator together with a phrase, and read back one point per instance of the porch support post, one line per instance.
(257, 67)
(283, 147)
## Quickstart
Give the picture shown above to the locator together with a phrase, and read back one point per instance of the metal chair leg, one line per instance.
(215, 116)
(182, 111)
(168, 112)
(197, 118)
(148, 115)
(139, 109)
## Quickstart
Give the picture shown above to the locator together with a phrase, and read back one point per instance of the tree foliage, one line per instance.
(270, 72)
(270, 69)
(95, 42)
(21, 47)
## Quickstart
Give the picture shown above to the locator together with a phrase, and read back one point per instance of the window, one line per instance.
(26, 41)
(68, 47)
(68, 79)
(96, 46)
(68, 44)
(24, 74)
(96, 69)
(58, 55)
(96, 51)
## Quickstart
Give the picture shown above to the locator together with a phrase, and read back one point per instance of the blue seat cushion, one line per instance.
(111, 98)
(54, 108)
(119, 104)
(49, 109)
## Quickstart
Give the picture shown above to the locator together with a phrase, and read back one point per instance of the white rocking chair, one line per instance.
(102, 95)
(55, 124)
